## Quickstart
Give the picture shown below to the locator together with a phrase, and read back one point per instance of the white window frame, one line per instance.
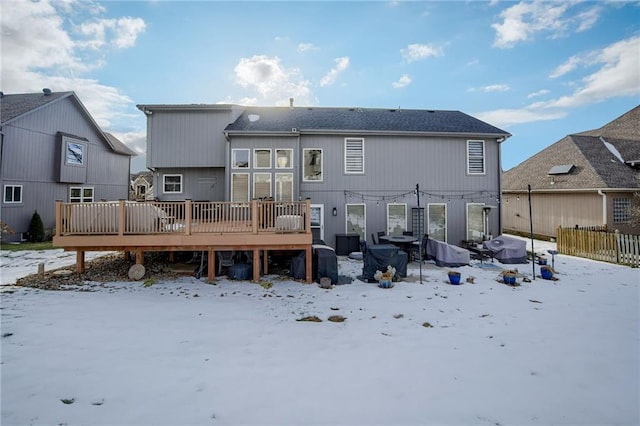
(429, 220)
(288, 156)
(278, 192)
(468, 229)
(350, 229)
(164, 183)
(353, 153)
(255, 158)
(232, 187)
(234, 162)
(305, 165)
(472, 156)
(82, 198)
(403, 226)
(13, 191)
(269, 181)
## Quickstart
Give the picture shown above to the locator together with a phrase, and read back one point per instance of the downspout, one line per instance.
(604, 206)
(227, 167)
(499, 186)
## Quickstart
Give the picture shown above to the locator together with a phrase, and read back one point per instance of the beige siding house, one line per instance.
(585, 179)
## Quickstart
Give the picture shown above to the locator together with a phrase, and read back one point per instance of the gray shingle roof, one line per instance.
(311, 119)
(596, 166)
(15, 105)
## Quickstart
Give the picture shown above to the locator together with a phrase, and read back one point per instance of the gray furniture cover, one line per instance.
(507, 249)
(446, 254)
(378, 256)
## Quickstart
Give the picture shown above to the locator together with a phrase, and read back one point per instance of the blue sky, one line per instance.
(537, 69)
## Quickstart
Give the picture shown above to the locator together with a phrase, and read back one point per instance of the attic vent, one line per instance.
(253, 117)
(46, 91)
(294, 129)
(561, 170)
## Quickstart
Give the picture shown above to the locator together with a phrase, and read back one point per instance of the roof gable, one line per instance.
(604, 158)
(14, 106)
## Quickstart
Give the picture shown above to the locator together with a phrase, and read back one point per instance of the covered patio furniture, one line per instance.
(378, 256)
(507, 249)
(447, 254)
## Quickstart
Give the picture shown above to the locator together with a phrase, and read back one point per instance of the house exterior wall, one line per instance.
(393, 165)
(31, 157)
(194, 138)
(622, 227)
(550, 210)
(198, 184)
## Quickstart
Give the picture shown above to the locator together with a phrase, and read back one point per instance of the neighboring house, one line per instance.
(585, 179)
(141, 187)
(52, 149)
(358, 166)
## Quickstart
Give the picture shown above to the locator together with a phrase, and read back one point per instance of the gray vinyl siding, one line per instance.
(198, 184)
(394, 165)
(186, 138)
(31, 157)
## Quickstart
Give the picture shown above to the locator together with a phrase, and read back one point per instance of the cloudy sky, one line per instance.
(537, 69)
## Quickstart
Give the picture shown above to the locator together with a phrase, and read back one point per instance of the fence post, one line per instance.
(617, 234)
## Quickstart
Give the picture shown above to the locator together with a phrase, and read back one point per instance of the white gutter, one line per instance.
(604, 206)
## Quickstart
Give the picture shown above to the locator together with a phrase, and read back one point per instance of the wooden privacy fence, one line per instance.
(598, 245)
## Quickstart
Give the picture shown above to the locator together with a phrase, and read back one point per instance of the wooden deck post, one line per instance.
(256, 265)
(80, 261)
(59, 217)
(187, 217)
(254, 216)
(140, 256)
(211, 264)
(307, 215)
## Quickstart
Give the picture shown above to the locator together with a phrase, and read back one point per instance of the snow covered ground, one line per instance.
(185, 352)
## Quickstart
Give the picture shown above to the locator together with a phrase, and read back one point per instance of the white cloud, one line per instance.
(303, 47)
(39, 51)
(567, 67)
(538, 93)
(341, 65)
(275, 83)
(522, 21)
(491, 88)
(404, 81)
(416, 52)
(617, 76)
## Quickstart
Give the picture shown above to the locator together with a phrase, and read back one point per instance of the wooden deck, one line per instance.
(257, 226)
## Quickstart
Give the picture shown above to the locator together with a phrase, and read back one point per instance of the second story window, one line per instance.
(262, 158)
(354, 155)
(475, 157)
(312, 169)
(621, 210)
(239, 158)
(284, 158)
(172, 184)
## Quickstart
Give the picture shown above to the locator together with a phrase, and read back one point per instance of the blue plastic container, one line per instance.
(509, 279)
(454, 279)
(385, 284)
(546, 273)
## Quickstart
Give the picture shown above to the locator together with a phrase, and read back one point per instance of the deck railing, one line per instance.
(188, 217)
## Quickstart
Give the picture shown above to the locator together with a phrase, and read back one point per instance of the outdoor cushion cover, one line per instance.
(507, 249)
(446, 254)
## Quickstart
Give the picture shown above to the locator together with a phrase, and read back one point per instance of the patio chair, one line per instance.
(415, 249)
(373, 238)
(381, 234)
(225, 259)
